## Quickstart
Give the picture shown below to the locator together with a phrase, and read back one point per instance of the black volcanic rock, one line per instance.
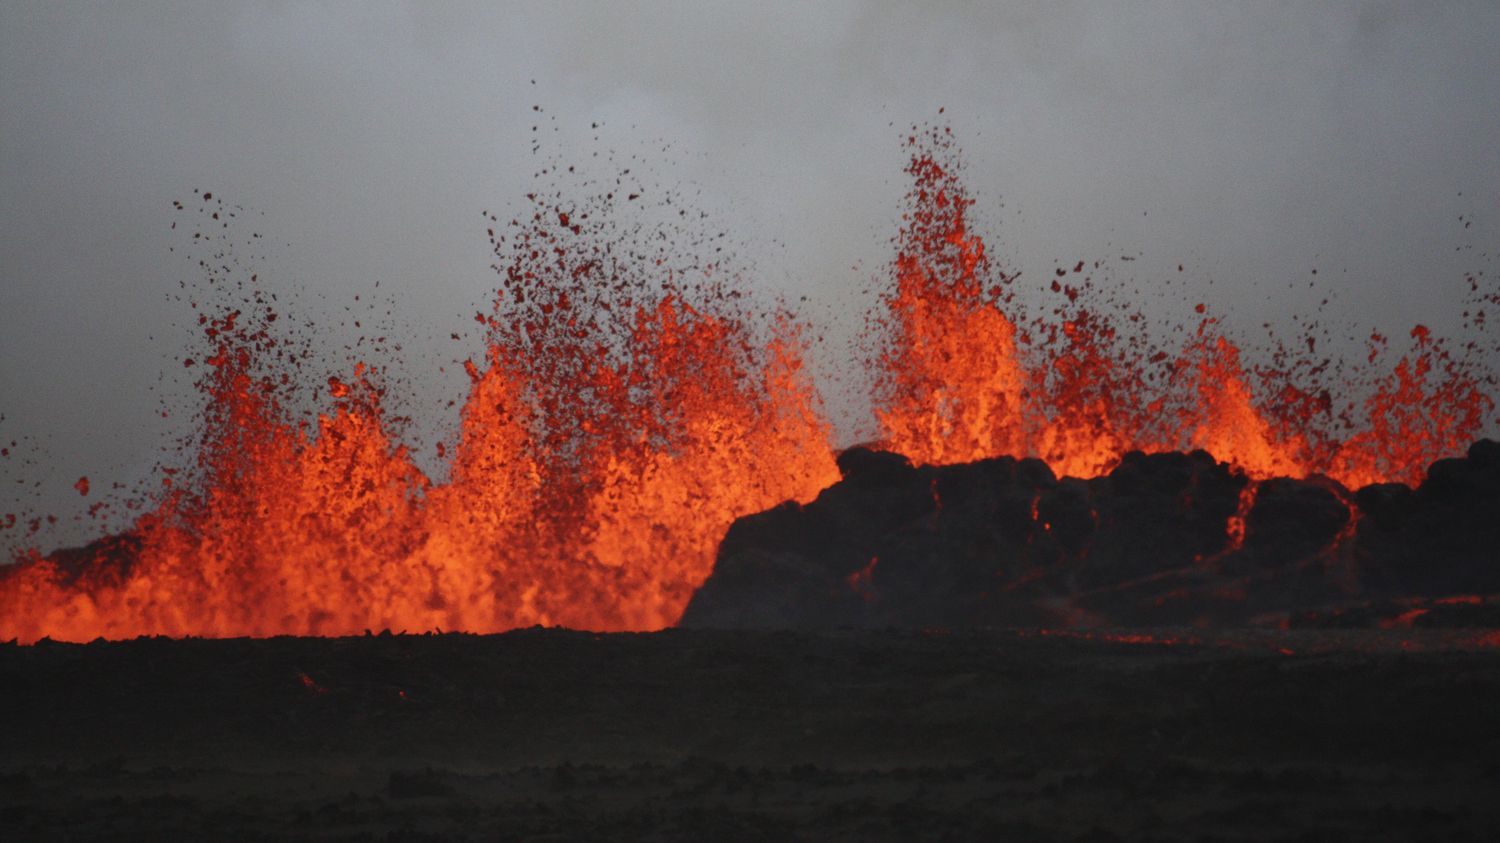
(1444, 537)
(1157, 512)
(1163, 539)
(870, 466)
(1292, 520)
(1384, 504)
(930, 535)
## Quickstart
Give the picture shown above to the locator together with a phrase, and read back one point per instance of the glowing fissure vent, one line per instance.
(628, 408)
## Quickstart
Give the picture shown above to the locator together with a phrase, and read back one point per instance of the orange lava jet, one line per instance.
(622, 417)
(604, 448)
(965, 376)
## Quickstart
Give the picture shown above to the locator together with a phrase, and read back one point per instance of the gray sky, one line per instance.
(1250, 142)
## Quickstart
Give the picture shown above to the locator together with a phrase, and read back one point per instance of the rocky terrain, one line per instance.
(971, 652)
(1162, 540)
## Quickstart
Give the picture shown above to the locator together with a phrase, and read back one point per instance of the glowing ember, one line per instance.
(1235, 529)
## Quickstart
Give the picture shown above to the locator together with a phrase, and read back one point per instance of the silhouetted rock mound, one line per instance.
(1163, 539)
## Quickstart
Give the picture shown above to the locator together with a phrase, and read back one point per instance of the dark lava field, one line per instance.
(974, 652)
(756, 735)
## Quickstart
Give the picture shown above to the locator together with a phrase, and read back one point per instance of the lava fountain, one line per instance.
(618, 422)
(964, 374)
(628, 408)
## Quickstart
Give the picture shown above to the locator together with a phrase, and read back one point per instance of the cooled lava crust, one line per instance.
(1168, 539)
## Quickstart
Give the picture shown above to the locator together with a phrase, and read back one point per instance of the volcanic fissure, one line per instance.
(1054, 468)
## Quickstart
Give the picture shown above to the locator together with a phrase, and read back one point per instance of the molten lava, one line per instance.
(596, 468)
(965, 376)
(622, 416)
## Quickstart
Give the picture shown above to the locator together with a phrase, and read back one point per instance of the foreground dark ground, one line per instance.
(551, 735)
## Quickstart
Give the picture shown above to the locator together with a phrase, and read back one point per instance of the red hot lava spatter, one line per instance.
(619, 421)
(965, 375)
(628, 407)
